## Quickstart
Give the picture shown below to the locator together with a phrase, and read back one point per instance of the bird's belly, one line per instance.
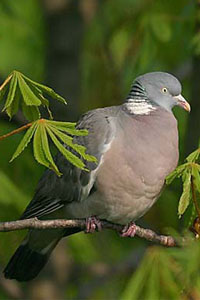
(121, 199)
(120, 203)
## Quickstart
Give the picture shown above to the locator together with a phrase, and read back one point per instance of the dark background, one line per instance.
(90, 51)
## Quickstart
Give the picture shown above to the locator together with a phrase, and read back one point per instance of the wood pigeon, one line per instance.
(136, 145)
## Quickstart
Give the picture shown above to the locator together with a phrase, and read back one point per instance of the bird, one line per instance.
(136, 147)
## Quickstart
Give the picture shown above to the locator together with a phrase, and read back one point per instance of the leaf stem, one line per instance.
(194, 197)
(15, 131)
(5, 82)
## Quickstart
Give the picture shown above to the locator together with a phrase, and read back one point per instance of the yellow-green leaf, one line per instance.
(78, 148)
(186, 194)
(13, 108)
(29, 97)
(38, 149)
(193, 156)
(196, 176)
(68, 155)
(49, 91)
(176, 173)
(46, 150)
(25, 141)
(31, 113)
(11, 93)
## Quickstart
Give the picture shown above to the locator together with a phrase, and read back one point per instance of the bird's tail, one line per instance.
(25, 264)
(33, 253)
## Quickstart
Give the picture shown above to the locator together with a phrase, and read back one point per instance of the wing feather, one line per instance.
(54, 192)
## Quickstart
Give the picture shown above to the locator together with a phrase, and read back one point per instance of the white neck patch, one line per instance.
(139, 106)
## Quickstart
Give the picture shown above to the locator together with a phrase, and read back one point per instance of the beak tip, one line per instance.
(183, 103)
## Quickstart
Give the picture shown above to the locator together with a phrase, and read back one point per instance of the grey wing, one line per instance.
(54, 192)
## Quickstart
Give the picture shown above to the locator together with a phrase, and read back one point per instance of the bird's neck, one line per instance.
(137, 102)
(139, 107)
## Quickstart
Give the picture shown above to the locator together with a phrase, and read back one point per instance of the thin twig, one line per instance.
(5, 82)
(15, 131)
(34, 223)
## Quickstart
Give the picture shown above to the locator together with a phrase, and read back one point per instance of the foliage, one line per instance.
(166, 274)
(26, 93)
(21, 91)
(123, 40)
(190, 175)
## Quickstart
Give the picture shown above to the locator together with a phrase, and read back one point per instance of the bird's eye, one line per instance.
(164, 90)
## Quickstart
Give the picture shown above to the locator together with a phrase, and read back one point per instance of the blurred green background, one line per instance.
(90, 51)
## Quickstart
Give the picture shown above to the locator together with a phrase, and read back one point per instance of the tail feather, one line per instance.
(25, 264)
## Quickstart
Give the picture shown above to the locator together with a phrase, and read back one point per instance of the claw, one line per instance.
(129, 230)
(93, 224)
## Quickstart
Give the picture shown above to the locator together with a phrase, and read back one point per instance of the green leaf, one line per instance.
(176, 173)
(68, 127)
(71, 125)
(68, 155)
(45, 89)
(37, 148)
(25, 141)
(196, 176)
(193, 156)
(13, 108)
(41, 148)
(45, 146)
(78, 148)
(4, 86)
(3, 91)
(11, 93)
(31, 113)
(29, 97)
(186, 195)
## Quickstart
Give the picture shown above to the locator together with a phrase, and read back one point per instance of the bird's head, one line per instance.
(159, 89)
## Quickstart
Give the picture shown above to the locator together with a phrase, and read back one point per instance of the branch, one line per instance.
(2, 137)
(34, 223)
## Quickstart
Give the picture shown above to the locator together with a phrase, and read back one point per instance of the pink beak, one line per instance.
(182, 102)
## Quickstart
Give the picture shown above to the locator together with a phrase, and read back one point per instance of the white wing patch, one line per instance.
(86, 189)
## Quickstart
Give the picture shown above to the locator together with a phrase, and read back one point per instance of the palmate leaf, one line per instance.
(4, 86)
(26, 93)
(29, 97)
(41, 148)
(69, 141)
(45, 89)
(11, 93)
(196, 176)
(31, 113)
(176, 173)
(40, 130)
(68, 127)
(25, 141)
(14, 106)
(68, 155)
(186, 194)
(193, 156)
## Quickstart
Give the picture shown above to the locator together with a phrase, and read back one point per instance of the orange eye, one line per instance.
(164, 90)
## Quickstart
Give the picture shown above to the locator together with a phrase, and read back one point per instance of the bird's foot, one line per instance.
(129, 230)
(93, 224)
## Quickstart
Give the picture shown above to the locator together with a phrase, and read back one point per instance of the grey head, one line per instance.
(155, 89)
